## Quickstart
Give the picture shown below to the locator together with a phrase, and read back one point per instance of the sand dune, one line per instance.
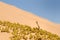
(13, 14)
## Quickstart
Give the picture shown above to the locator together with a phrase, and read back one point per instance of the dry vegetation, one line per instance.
(24, 32)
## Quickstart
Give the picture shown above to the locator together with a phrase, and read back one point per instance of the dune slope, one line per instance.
(13, 14)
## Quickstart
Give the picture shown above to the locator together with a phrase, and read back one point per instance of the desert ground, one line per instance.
(12, 14)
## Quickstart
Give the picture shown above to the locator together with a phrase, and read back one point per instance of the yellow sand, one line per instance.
(13, 14)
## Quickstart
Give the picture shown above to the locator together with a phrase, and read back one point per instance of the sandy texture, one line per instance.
(13, 14)
(5, 36)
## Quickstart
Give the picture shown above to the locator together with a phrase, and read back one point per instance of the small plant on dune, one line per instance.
(37, 24)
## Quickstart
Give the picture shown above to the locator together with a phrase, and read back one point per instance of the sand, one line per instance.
(14, 14)
(5, 36)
